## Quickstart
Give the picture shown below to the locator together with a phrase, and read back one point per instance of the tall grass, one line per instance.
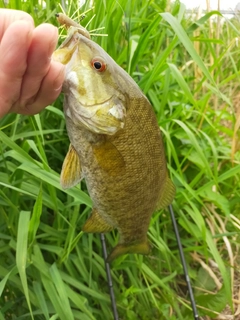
(49, 269)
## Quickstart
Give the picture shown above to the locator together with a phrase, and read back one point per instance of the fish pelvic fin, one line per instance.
(71, 169)
(142, 247)
(96, 224)
(166, 195)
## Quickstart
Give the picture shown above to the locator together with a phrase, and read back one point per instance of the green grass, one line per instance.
(49, 269)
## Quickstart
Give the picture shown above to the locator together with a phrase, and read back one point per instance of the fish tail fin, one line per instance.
(142, 247)
(167, 195)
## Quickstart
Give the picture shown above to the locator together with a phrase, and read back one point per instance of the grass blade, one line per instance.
(21, 253)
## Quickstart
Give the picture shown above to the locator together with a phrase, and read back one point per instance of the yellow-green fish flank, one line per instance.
(116, 144)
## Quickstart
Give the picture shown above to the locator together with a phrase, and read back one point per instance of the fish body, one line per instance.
(116, 145)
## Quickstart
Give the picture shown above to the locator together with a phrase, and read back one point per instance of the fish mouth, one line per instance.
(103, 118)
(96, 104)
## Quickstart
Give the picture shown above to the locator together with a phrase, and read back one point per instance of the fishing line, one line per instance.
(180, 248)
(109, 278)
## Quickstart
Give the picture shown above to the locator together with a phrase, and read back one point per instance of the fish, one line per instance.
(115, 144)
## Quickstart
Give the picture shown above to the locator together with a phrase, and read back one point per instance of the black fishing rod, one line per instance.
(109, 278)
(184, 264)
(183, 261)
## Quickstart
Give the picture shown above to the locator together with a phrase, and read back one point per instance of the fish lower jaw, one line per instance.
(94, 122)
(89, 125)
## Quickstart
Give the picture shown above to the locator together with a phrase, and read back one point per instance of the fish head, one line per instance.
(93, 92)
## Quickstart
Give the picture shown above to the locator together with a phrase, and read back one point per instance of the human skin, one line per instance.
(29, 79)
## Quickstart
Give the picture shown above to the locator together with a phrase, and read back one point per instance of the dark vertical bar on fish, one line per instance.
(109, 278)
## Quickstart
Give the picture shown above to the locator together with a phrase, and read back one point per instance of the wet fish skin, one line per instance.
(116, 145)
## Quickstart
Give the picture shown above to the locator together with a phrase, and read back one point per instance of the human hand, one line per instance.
(29, 79)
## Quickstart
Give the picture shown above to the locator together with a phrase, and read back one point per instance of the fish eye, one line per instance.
(98, 64)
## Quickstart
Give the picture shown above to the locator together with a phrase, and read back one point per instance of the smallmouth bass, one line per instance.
(116, 143)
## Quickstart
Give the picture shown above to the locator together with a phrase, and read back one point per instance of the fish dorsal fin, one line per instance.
(95, 223)
(71, 169)
(109, 158)
(166, 195)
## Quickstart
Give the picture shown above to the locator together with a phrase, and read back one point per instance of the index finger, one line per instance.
(8, 16)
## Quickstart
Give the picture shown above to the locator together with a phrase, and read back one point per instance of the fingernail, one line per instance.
(59, 89)
(58, 82)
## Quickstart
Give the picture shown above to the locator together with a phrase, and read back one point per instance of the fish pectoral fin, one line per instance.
(167, 195)
(96, 224)
(142, 247)
(71, 169)
(109, 158)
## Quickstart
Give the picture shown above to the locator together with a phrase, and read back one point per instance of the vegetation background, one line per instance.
(188, 66)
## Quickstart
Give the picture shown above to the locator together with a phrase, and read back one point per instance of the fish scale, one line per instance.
(119, 153)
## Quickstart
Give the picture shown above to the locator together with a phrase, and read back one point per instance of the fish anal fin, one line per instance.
(142, 247)
(71, 169)
(167, 195)
(96, 224)
(109, 158)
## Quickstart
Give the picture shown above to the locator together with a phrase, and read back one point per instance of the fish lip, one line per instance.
(96, 104)
(80, 111)
(87, 116)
